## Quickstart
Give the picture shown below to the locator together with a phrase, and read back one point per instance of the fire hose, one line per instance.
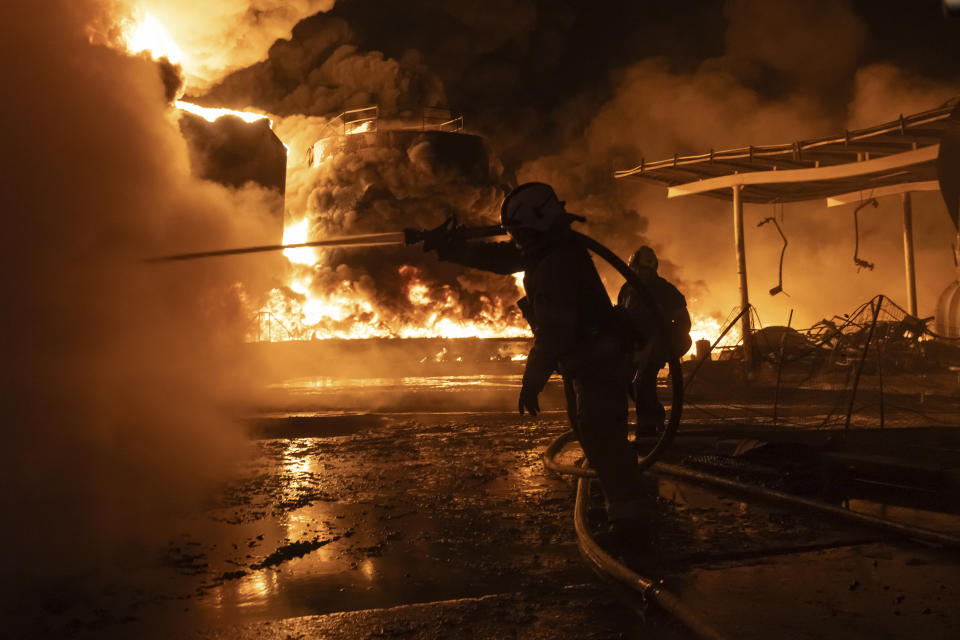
(415, 236)
(602, 562)
(652, 590)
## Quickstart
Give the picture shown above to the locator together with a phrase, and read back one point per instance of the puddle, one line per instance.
(321, 384)
(405, 394)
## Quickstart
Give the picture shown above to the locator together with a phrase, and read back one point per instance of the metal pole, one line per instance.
(908, 254)
(875, 306)
(783, 348)
(742, 273)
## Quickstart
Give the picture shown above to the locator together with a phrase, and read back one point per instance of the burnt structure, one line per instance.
(369, 171)
(900, 157)
(432, 137)
(233, 153)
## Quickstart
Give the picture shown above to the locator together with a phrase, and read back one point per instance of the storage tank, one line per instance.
(948, 311)
(947, 318)
(233, 152)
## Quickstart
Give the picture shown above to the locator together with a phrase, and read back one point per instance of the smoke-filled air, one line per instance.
(121, 381)
(549, 113)
(133, 129)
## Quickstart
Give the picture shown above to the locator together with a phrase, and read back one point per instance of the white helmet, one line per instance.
(533, 206)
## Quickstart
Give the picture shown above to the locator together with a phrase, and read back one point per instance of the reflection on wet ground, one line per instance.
(414, 513)
(374, 511)
(312, 384)
(402, 394)
(419, 507)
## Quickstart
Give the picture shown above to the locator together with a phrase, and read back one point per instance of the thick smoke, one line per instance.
(119, 377)
(566, 93)
(369, 183)
(218, 36)
(658, 112)
(321, 71)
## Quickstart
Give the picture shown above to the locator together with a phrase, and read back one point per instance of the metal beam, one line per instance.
(832, 172)
(908, 254)
(740, 248)
(894, 189)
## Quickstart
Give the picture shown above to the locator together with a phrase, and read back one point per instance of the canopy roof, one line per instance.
(894, 156)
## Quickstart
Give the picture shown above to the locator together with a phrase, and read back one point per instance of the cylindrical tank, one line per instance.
(703, 349)
(948, 311)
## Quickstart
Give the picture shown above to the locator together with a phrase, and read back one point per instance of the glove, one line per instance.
(441, 236)
(528, 401)
(540, 366)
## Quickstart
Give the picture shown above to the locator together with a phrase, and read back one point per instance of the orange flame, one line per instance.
(708, 328)
(211, 114)
(345, 311)
(348, 311)
(145, 34)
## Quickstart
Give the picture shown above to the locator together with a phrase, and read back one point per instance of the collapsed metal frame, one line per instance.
(893, 158)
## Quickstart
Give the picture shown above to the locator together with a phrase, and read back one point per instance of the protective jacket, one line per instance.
(576, 331)
(672, 306)
(568, 309)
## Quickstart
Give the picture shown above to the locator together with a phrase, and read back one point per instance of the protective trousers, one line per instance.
(650, 413)
(597, 409)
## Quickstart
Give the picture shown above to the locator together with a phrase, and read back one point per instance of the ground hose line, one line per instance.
(676, 372)
(927, 536)
(603, 563)
(607, 566)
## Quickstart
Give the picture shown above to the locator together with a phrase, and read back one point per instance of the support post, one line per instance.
(908, 254)
(742, 274)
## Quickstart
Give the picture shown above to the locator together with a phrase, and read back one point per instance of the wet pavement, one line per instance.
(359, 524)
(361, 514)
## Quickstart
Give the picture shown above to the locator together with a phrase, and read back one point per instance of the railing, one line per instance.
(440, 119)
(269, 319)
(368, 120)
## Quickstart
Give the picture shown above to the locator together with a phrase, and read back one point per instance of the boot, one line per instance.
(630, 527)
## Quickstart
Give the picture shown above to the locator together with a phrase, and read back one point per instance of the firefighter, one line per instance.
(575, 332)
(652, 349)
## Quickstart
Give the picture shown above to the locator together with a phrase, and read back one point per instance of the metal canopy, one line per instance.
(901, 151)
(896, 157)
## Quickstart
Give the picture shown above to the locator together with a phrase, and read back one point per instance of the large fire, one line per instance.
(143, 33)
(709, 328)
(347, 309)
(211, 114)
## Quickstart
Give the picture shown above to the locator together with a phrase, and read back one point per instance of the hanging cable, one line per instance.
(779, 288)
(861, 264)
